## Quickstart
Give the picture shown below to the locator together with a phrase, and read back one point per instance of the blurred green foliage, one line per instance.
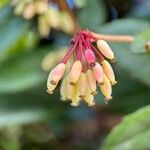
(23, 98)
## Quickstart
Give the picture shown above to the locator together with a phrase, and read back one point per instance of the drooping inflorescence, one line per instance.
(84, 68)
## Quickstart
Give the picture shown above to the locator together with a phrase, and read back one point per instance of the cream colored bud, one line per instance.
(89, 98)
(105, 49)
(91, 82)
(66, 23)
(106, 88)
(29, 11)
(75, 72)
(82, 85)
(75, 98)
(70, 89)
(98, 73)
(57, 73)
(43, 26)
(41, 6)
(108, 71)
(63, 89)
(53, 18)
(50, 87)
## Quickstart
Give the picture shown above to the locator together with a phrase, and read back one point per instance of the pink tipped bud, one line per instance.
(75, 72)
(91, 82)
(82, 85)
(108, 71)
(98, 73)
(105, 49)
(106, 88)
(56, 74)
(90, 57)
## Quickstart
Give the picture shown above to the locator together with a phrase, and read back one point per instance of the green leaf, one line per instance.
(132, 133)
(125, 26)
(92, 14)
(21, 72)
(15, 36)
(141, 39)
(31, 106)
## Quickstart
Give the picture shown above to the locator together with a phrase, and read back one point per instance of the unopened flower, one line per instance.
(48, 13)
(87, 67)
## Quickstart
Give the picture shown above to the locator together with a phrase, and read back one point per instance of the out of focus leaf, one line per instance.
(133, 133)
(138, 46)
(3, 3)
(31, 106)
(21, 72)
(14, 36)
(141, 10)
(92, 15)
(125, 26)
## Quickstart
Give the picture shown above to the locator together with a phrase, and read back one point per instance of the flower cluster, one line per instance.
(84, 66)
(48, 13)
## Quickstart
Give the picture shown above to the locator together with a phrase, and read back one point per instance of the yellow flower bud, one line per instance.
(89, 98)
(106, 88)
(63, 89)
(75, 98)
(82, 85)
(108, 71)
(91, 82)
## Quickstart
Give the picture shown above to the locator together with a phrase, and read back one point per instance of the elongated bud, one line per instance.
(63, 89)
(89, 98)
(98, 73)
(91, 82)
(75, 98)
(70, 89)
(90, 57)
(56, 74)
(82, 85)
(75, 72)
(105, 49)
(40, 6)
(106, 89)
(50, 87)
(29, 12)
(108, 71)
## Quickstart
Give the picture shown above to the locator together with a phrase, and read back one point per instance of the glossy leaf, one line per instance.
(132, 133)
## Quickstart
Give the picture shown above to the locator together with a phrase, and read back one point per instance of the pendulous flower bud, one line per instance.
(106, 89)
(75, 97)
(90, 57)
(108, 71)
(75, 72)
(89, 98)
(82, 85)
(56, 74)
(98, 73)
(91, 82)
(63, 91)
(105, 49)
